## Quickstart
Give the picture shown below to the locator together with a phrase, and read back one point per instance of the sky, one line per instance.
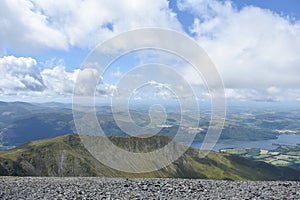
(254, 44)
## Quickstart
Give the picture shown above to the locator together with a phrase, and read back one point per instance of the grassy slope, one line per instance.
(66, 156)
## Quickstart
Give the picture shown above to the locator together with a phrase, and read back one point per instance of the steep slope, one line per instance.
(66, 156)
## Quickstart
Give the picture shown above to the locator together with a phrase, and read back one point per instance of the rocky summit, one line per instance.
(122, 188)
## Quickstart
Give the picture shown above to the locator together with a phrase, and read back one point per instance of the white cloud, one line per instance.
(162, 90)
(261, 95)
(116, 74)
(153, 91)
(19, 74)
(85, 82)
(59, 24)
(191, 76)
(21, 77)
(58, 81)
(249, 94)
(273, 90)
(25, 27)
(254, 49)
(105, 90)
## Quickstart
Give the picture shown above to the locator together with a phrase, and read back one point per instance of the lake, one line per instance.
(283, 139)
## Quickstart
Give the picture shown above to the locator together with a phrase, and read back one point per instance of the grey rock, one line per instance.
(118, 188)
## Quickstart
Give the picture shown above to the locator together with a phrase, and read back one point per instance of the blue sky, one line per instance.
(43, 44)
(288, 7)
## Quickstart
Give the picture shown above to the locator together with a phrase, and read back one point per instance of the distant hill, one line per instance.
(11, 110)
(39, 125)
(66, 156)
(22, 122)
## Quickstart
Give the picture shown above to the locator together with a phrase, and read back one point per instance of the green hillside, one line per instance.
(66, 156)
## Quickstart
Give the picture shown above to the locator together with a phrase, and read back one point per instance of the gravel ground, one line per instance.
(118, 188)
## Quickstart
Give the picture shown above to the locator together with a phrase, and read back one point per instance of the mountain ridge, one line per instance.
(66, 156)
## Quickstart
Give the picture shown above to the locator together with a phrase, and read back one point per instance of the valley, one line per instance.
(249, 132)
(24, 122)
(283, 155)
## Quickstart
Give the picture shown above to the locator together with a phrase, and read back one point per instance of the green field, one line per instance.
(281, 156)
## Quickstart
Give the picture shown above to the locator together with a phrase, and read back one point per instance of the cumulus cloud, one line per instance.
(59, 81)
(19, 74)
(89, 83)
(61, 24)
(254, 49)
(21, 77)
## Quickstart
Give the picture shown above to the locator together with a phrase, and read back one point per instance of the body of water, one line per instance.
(283, 139)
